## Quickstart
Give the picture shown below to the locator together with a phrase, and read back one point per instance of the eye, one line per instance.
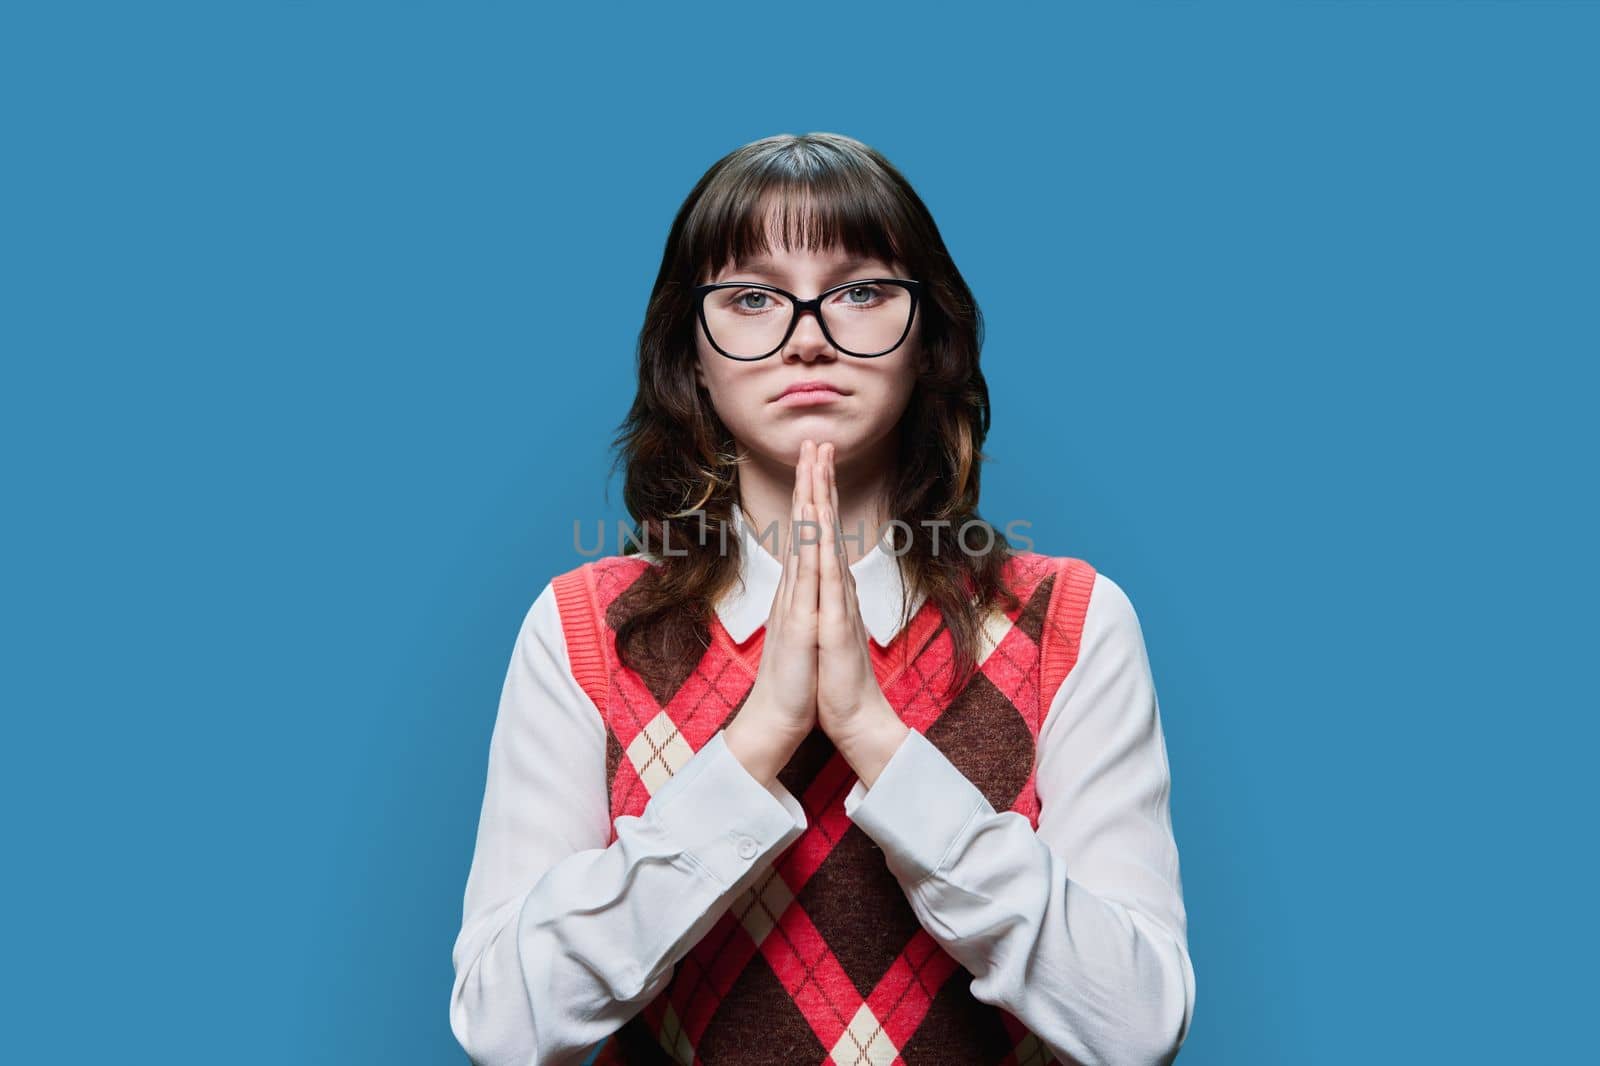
(749, 301)
(860, 295)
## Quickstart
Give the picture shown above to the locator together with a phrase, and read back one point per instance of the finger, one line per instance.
(805, 591)
(804, 475)
(830, 495)
(824, 493)
(780, 596)
(849, 608)
(819, 477)
(787, 535)
(806, 486)
(833, 480)
(831, 605)
(854, 605)
(819, 489)
(833, 495)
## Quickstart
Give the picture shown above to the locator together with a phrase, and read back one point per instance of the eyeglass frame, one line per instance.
(914, 288)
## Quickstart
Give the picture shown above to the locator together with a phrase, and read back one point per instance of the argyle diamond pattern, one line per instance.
(822, 959)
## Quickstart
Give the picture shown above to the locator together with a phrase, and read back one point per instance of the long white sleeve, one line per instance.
(1077, 928)
(563, 939)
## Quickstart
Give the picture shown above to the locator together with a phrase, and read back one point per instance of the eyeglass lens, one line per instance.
(864, 319)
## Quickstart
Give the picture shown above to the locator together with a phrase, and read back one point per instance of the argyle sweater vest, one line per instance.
(822, 959)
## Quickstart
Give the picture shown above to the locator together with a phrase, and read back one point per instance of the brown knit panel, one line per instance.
(758, 1024)
(806, 762)
(860, 909)
(1031, 620)
(958, 1030)
(985, 737)
(663, 660)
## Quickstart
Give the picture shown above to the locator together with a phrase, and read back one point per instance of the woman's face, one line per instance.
(865, 398)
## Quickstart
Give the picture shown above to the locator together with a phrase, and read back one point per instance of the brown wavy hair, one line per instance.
(681, 463)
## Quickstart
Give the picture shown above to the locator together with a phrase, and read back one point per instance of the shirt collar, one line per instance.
(879, 585)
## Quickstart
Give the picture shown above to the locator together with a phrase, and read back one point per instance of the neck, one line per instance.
(766, 489)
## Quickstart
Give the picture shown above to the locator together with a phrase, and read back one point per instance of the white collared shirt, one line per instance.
(1077, 928)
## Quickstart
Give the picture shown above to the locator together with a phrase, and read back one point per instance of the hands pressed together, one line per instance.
(815, 667)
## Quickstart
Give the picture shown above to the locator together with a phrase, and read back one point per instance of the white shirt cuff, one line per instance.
(724, 818)
(917, 808)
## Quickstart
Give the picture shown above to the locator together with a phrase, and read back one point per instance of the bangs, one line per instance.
(811, 201)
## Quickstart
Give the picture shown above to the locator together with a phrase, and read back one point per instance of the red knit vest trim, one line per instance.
(580, 623)
(823, 957)
(1063, 629)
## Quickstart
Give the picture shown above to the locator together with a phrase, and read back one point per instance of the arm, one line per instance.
(563, 939)
(1078, 929)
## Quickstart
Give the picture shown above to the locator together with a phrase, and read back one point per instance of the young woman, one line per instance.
(821, 769)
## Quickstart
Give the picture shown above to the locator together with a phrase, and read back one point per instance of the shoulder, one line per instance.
(565, 625)
(1110, 608)
(608, 565)
(580, 600)
(1065, 581)
(1111, 627)
(599, 581)
(1090, 624)
(1086, 606)
(1079, 587)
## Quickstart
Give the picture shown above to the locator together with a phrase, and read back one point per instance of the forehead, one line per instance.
(802, 262)
(800, 235)
(786, 251)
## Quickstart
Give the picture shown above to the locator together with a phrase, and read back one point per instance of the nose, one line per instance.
(808, 343)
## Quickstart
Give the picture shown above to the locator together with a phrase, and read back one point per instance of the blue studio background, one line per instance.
(1291, 331)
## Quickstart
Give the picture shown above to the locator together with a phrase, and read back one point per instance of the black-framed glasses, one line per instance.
(866, 318)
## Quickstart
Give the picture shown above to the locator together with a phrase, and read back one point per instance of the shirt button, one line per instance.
(747, 848)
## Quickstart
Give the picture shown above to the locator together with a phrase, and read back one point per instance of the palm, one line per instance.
(847, 689)
(815, 666)
(844, 676)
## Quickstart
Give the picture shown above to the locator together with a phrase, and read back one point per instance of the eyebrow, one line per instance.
(764, 267)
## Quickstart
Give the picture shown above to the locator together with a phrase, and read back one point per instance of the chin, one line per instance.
(845, 445)
(780, 443)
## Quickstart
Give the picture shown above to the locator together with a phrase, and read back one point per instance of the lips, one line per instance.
(802, 387)
(808, 398)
